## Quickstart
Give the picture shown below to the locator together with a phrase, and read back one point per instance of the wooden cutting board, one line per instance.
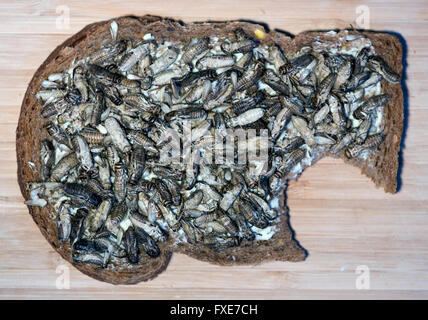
(353, 231)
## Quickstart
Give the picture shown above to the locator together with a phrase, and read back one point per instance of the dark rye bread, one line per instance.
(380, 166)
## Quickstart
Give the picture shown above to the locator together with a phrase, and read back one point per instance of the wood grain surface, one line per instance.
(338, 215)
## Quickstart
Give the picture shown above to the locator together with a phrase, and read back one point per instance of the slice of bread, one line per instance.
(381, 166)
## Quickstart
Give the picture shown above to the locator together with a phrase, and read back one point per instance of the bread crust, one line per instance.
(380, 166)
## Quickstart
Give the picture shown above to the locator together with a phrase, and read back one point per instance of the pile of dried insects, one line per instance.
(106, 119)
